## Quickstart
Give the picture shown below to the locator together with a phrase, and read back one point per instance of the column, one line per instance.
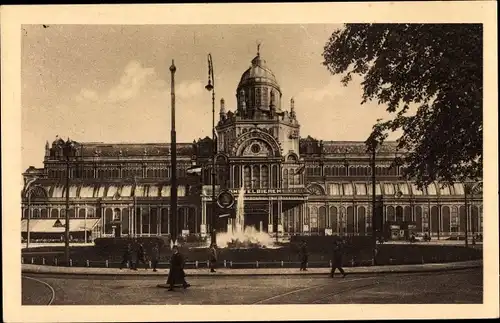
(231, 175)
(260, 176)
(203, 214)
(270, 218)
(158, 220)
(280, 214)
(168, 219)
(251, 176)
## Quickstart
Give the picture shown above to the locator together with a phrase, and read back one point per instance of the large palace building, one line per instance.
(292, 184)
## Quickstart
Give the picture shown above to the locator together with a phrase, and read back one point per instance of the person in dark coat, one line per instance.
(176, 274)
(155, 256)
(133, 256)
(212, 257)
(337, 259)
(126, 257)
(141, 256)
(304, 256)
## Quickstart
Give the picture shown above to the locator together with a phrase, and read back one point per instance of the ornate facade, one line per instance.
(292, 184)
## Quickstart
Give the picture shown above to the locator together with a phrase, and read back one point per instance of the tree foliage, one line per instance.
(435, 67)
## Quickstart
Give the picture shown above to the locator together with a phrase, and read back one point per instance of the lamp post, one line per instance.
(211, 88)
(173, 156)
(68, 149)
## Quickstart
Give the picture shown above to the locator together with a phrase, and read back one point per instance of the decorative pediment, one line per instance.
(316, 189)
(256, 143)
(256, 148)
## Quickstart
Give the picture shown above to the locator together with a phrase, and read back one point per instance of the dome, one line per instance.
(258, 73)
(258, 90)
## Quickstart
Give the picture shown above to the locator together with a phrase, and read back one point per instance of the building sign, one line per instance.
(225, 199)
(269, 191)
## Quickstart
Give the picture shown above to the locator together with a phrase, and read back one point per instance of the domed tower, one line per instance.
(258, 93)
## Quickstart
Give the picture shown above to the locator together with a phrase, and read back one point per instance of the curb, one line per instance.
(66, 271)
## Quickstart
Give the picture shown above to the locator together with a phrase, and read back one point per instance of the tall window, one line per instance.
(246, 176)
(265, 176)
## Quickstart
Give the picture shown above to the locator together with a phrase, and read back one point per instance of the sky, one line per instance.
(111, 83)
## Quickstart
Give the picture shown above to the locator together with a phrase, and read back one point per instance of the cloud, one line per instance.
(134, 78)
(189, 89)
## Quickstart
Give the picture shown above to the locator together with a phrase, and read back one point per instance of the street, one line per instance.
(461, 286)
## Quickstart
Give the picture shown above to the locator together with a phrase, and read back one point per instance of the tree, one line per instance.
(435, 67)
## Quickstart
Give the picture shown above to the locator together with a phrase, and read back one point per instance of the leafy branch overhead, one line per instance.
(435, 68)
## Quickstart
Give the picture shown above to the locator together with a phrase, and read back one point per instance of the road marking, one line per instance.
(50, 287)
(308, 288)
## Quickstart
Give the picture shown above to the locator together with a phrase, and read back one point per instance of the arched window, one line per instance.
(256, 176)
(237, 176)
(446, 220)
(247, 179)
(362, 220)
(454, 219)
(333, 219)
(322, 219)
(275, 175)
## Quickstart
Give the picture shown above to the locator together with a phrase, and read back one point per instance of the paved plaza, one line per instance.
(460, 286)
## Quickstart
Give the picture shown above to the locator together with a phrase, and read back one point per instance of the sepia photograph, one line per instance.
(260, 163)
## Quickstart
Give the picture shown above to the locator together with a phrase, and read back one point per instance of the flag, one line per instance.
(196, 170)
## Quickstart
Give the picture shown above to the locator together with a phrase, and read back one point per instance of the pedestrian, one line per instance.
(176, 274)
(155, 256)
(126, 257)
(212, 257)
(337, 259)
(303, 256)
(141, 256)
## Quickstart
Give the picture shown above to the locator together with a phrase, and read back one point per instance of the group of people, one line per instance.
(338, 250)
(133, 255)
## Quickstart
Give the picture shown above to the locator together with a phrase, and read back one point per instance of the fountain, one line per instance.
(239, 236)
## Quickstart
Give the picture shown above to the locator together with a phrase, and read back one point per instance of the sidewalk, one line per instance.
(39, 269)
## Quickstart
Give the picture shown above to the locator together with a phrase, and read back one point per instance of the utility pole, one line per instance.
(173, 154)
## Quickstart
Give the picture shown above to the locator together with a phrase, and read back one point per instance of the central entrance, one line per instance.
(257, 215)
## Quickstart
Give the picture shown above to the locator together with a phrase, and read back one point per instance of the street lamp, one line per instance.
(211, 88)
(68, 151)
(173, 157)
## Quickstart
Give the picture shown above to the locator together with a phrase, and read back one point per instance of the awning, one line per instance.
(111, 190)
(55, 226)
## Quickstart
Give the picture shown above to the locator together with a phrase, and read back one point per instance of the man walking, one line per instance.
(141, 256)
(337, 259)
(303, 256)
(176, 274)
(212, 257)
(155, 256)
